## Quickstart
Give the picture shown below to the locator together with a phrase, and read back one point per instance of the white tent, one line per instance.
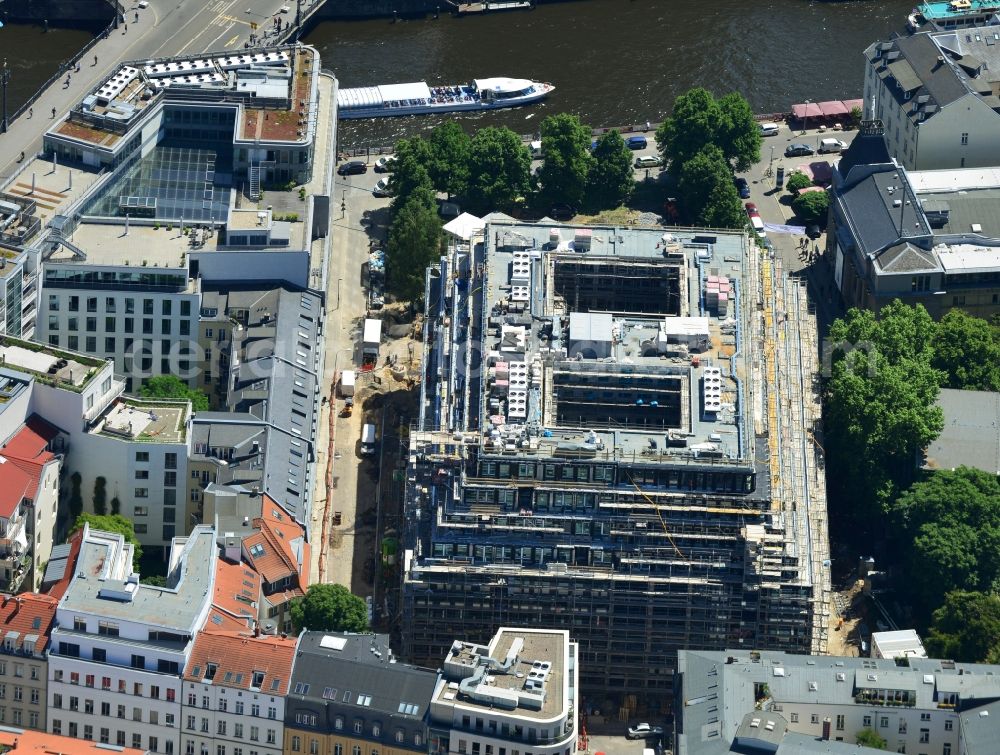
(465, 226)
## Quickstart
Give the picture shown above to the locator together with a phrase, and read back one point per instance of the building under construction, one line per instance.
(616, 438)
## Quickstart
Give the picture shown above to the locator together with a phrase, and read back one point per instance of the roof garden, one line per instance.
(158, 421)
(55, 367)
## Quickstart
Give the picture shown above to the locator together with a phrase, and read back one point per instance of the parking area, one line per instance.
(620, 745)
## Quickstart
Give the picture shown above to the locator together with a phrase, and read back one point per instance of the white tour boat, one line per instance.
(419, 99)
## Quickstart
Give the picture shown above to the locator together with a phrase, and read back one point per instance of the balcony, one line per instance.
(886, 698)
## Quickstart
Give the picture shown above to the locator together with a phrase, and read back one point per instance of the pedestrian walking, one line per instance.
(95, 60)
(31, 111)
(53, 112)
(137, 16)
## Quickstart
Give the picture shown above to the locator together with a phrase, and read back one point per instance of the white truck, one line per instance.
(347, 378)
(371, 339)
(368, 439)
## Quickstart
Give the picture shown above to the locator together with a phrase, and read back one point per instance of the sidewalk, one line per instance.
(25, 134)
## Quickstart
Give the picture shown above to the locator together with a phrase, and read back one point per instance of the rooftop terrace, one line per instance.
(155, 421)
(62, 369)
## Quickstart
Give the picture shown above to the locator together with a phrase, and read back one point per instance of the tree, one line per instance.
(698, 119)
(116, 505)
(796, 181)
(499, 170)
(154, 580)
(414, 242)
(879, 408)
(691, 126)
(449, 164)
(966, 628)
(100, 496)
(949, 528)
(739, 135)
(723, 208)
(854, 119)
(172, 387)
(568, 161)
(111, 523)
(75, 498)
(702, 175)
(870, 738)
(610, 182)
(410, 170)
(812, 207)
(329, 608)
(967, 351)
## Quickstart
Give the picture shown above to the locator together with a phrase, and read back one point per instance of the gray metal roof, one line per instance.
(55, 569)
(876, 221)
(971, 434)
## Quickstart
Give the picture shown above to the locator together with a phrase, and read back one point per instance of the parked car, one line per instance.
(769, 129)
(751, 209)
(382, 188)
(832, 145)
(742, 187)
(562, 212)
(798, 150)
(648, 161)
(641, 731)
(352, 168)
(382, 164)
(636, 142)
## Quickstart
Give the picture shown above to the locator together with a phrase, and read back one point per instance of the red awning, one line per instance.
(821, 171)
(806, 110)
(833, 108)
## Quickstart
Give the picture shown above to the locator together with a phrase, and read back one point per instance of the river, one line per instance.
(616, 62)
(34, 54)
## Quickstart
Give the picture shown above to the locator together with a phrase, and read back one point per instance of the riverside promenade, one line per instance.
(166, 28)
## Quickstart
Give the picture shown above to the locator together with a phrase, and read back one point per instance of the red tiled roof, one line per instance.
(237, 656)
(236, 587)
(29, 742)
(28, 613)
(21, 462)
(275, 532)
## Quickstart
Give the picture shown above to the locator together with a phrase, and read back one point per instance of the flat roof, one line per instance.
(65, 368)
(903, 642)
(135, 419)
(971, 433)
(105, 563)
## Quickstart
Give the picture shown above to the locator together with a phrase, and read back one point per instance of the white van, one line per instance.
(758, 225)
(831, 145)
(368, 439)
(769, 129)
(536, 151)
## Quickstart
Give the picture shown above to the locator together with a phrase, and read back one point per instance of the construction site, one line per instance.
(617, 437)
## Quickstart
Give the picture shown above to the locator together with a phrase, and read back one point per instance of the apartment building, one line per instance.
(584, 458)
(749, 701)
(255, 531)
(119, 647)
(929, 236)
(349, 697)
(26, 622)
(265, 380)
(937, 94)
(234, 693)
(515, 696)
(18, 278)
(29, 502)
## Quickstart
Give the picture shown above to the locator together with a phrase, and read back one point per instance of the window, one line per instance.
(949, 724)
(190, 723)
(946, 749)
(866, 722)
(814, 718)
(140, 511)
(902, 726)
(108, 629)
(88, 730)
(965, 138)
(313, 747)
(147, 306)
(358, 726)
(91, 325)
(925, 716)
(925, 736)
(840, 723)
(296, 744)
(238, 731)
(91, 303)
(271, 735)
(137, 714)
(883, 722)
(141, 493)
(56, 726)
(57, 701)
(137, 741)
(105, 735)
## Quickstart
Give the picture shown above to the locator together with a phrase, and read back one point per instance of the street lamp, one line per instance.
(805, 117)
(4, 78)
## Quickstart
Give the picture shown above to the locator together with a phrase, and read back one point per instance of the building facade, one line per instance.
(120, 647)
(819, 704)
(26, 622)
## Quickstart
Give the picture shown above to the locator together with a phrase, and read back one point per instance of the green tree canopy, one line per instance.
(111, 523)
(449, 158)
(723, 209)
(568, 162)
(949, 528)
(698, 120)
(966, 628)
(410, 170)
(610, 183)
(171, 386)
(796, 181)
(967, 351)
(414, 241)
(329, 608)
(880, 408)
(710, 198)
(812, 207)
(871, 738)
(499, 170)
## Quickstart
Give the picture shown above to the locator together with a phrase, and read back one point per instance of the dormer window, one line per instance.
(258, 679)
(210, 670)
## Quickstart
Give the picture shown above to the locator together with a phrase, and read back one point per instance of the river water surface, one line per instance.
(33, 55)
(617, 62)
